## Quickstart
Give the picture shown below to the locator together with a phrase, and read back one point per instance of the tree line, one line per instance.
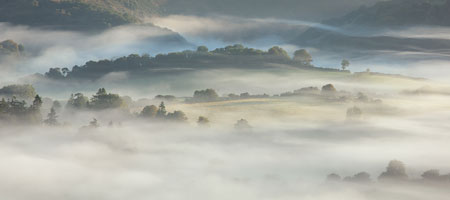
(201, 58)
(395, 172)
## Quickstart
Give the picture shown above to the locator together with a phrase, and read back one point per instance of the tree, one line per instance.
(26, 92)
(354, 113)
(94, 123)
(278, 52)
(37, 102)
(362, 177)
(56, 105)
(149, 111)
(207, 95)
(328, 90)
(203, 121)
(202, 49)
(54, 73)
(395, 171)
(65, 71)
(431, 175)
(242, 125)
(102, 100)
(345, 63)
(303, 57)
(177, 116)
(77, 101)
(52, 118)
(161, 113)
(333, 177)
(36, 116)
(165, 97)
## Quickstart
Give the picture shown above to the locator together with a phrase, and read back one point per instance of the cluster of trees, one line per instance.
(302, 91)
(165, 97)
(207, 95)
(160, 113)
(100, 101)
(210, 95)
(14, 110)
(327, 90)
(395, 172)
(23, 92)
(230, 56)
(245, 95)
(9, 47)
(354, 113)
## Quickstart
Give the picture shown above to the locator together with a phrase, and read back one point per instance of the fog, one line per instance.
(390, 105)
(48, 48)
(52, 48)
(287, 155)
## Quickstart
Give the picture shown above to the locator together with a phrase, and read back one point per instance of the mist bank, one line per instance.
(146, 160)
(44, 48)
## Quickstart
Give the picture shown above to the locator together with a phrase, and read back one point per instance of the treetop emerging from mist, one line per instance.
(25, 92)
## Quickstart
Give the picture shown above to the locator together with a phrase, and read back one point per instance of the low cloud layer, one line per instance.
(149, 160)
(47, 48)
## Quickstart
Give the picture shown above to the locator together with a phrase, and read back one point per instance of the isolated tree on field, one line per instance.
(328, 90)
(303, 56)
(345, 63)
(432, 175)
(161, 113)
(94, 123)
(203, 49)
(203, 121)
(354, 113)
(242, 125)
(395, 171)
(52, 118)
(149, 111)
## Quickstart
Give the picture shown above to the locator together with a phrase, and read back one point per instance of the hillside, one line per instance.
(287, 9)
(364, 28)
(230, 57)
(74, 14)
(100, 14)
(396, 13)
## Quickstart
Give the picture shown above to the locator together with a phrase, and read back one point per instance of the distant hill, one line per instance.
(363, 29)
(316, 10)
(396, 13)
(75, 14)
(100, 14)
(325, 39)
(230, 57)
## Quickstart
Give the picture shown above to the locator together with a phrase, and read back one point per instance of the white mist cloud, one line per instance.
(48, 48)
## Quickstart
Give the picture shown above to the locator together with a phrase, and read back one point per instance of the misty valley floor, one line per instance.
(287, 155)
